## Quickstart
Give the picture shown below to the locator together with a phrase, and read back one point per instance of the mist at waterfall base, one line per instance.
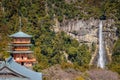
(101, 58)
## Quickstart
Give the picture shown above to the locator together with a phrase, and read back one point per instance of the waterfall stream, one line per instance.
(101, 60)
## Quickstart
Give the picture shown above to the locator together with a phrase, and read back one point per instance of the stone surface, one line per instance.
(57, 73)
(87, 30)
(98, 74)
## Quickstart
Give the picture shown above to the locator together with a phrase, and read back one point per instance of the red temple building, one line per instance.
(20, 54)
(21, 49)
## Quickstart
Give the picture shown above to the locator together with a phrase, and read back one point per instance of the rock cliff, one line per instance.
(86, 31)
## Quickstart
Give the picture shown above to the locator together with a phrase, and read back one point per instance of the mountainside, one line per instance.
(65, 32)
(57, 73)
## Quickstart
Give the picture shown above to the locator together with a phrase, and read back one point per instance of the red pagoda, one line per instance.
(21, 49)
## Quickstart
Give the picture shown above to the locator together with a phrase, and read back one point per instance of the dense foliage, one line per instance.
(38, 19)
(115, 65)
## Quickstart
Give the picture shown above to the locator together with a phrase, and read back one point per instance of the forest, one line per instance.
(50, 47)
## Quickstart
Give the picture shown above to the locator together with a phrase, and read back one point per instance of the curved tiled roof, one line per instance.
(20, 52)
(11, 64)
(20, 44)
(20, 34)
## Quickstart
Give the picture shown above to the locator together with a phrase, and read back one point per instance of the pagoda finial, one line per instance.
(20, 23)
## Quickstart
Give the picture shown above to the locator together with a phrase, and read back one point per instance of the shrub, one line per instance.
(80, 78)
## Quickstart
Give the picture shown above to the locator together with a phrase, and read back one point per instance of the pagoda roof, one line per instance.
(20, 34)
(6, 72)
(20, 52)
(20, 44)
(20, 72)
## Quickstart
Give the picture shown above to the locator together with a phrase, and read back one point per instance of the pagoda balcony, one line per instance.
(21, 42)
(23, 49)
(25, 60)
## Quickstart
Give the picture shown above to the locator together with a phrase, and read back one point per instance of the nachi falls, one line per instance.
(101, 58)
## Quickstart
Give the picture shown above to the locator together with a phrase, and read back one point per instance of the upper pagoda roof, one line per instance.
(20, 34)
(19, 72)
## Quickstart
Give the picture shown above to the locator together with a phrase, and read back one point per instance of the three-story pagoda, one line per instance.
(21, 49)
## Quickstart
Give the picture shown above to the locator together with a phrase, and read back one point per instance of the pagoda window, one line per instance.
(21, 48)
(23, 58)
(20, 40)
(17, 39)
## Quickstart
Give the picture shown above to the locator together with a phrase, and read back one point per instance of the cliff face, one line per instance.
(86, 31)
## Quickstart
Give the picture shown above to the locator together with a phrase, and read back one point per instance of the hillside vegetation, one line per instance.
(50, 47)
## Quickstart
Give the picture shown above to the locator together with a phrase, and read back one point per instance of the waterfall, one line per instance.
(101, 60)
